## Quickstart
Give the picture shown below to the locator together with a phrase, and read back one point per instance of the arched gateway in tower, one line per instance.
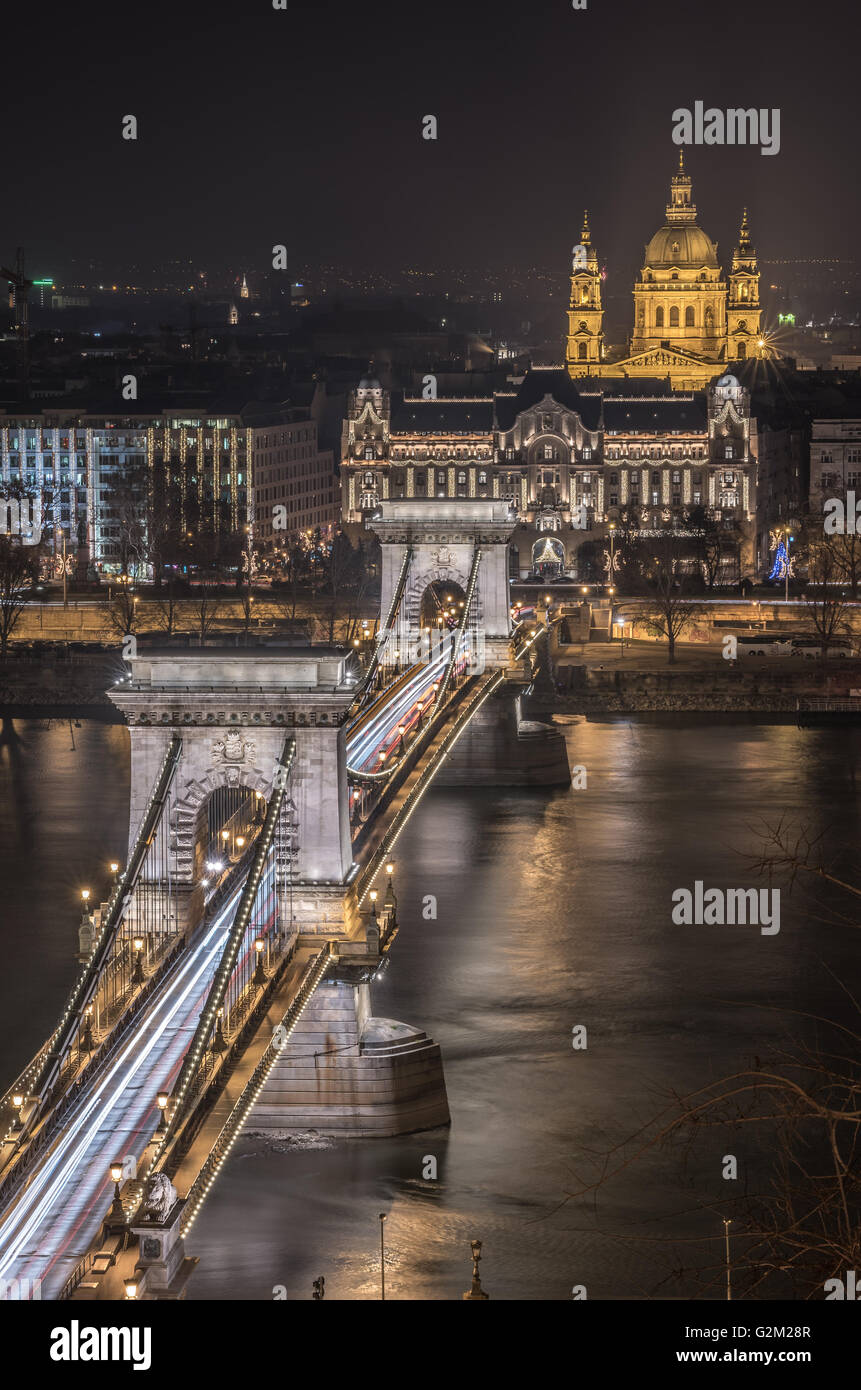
(232, 710)
(435, 551)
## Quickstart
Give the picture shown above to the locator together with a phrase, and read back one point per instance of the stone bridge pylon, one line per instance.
(442, 535)
(233, 710)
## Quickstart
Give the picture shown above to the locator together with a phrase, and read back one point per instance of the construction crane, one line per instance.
(20, 288)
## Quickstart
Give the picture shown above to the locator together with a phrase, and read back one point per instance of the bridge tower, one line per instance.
(442, 535)
(233, 709)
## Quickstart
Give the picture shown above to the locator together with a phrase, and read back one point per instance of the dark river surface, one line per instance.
(554, 910)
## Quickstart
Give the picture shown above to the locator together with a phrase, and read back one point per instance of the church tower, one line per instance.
(584, 348)
(680, 298)
(743, 309)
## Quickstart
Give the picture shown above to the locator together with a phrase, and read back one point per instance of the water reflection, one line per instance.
(553, 911)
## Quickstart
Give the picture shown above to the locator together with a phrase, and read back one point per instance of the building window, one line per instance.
(587, 452)
(728, 452)
(482, 478)
(461, 477)
(674, 316)
(659, 317)
(689, 316)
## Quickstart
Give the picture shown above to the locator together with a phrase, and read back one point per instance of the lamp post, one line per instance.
(373, 897)
(137, 973)
(475, 1291)
(259, 973)
(402, 748)
(612, 529)
(420, 704)
(382, 1258)
(17, 1106)
(117, 1215)
(161, 1101)
(87, 1044)
(131, 1287)
(219, 1043)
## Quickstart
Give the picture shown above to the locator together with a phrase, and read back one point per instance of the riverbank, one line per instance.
(604, 680)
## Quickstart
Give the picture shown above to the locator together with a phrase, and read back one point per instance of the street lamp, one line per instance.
(475, 1291)
(259, 973)
(161, 1101)
(240, 841)
(131, 1286)
(402, 728)
(137, 974)
(17, 1106)
(373, 896)
(117, 1213)
(420, 704)
(219, 1043)
(382, 1258)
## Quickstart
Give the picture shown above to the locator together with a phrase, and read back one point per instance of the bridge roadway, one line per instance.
(377, 729)
(55, 1217)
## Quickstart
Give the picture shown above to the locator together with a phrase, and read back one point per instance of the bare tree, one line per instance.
(166, 608)
(122, 610)
(207, 608)
(668, 608)
(713, 544)
(18, 568)
(824, 602)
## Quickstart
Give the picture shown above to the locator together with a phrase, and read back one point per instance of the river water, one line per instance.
(553, 910)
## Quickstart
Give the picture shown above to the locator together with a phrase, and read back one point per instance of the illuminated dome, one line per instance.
(369, 383)
(685, 246)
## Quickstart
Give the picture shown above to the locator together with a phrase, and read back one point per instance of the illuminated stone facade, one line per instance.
(571, 462)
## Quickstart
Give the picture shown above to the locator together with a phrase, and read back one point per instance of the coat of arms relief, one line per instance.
(231, 752)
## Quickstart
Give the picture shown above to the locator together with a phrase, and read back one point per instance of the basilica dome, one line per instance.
(685, 246)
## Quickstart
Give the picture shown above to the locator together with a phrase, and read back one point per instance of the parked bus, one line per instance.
(811, 647)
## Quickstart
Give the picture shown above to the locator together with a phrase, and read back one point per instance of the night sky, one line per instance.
(304, 127)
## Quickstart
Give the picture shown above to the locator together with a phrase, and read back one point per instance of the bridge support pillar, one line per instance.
(501, 747)
(344, 1072)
